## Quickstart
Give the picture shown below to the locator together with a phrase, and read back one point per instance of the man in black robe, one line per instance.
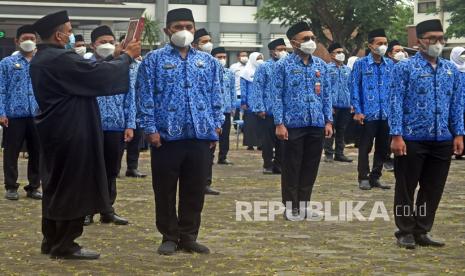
(66, 86)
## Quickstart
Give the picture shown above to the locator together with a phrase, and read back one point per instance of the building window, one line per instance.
(426, 7)
(193, 2)
(239, 2)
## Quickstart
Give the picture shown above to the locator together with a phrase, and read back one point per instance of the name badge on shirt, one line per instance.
(296, 71)
(425, 75)
(169, 66)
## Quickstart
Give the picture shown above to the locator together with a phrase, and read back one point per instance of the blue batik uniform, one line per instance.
(340, 80)
(261, 99)
(370, 85)
(180, 98)
(298, 102)
(118, 112)
(16, 95)
(426, 104)
(228, 93)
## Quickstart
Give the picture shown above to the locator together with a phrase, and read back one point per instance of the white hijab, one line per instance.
(456, 59)
(351, 61)
(251, 67)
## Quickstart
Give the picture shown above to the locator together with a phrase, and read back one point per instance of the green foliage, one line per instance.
(347, 21)
(151, 34)
(457, 20)
(398, 27)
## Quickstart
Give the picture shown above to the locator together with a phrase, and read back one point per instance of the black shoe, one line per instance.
(135, 173)
(88, 220)
(113, 218)
(406, 241)
(12, 194)
(267, 171)
(210, 191)
(45, 248)
(225, 162)
(167, 248)
(377, 184)
(328, 158)
(294, 216)
(81, 254)
(34, 194)
(364, 184)
(388, 166)
(277, 170)
(425, 240)
(259, 148)
(343, 158)
(250, 148)
(459, 157)
(195, 247)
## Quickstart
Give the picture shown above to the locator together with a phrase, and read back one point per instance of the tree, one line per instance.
(151, 34)
(344, 21)
(457, 18)
(403, 16)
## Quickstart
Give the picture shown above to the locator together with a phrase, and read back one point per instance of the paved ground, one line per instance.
(245, 248)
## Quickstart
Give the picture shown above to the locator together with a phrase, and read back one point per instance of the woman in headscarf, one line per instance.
(251, 135)
(351, 61)
(457, 56)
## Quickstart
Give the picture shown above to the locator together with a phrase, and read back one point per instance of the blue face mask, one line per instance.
(71, 42)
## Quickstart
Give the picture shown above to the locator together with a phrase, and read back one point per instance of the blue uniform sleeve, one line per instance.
(145, 88)
(130, 100)
(216, 101)
(258, 90)
(355, 86)
(244, 99)
(457, 109)
(278, 87)
(232, 90)
(327, 97)
(3, 88)
(399, 88)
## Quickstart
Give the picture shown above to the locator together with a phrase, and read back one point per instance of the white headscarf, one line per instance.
(456, 59)
(351, 61)
(251, 66)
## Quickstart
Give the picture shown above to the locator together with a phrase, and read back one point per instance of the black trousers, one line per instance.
(185, 161)
(133, 149)
(210, 166)
(224, 138)
(426, 164)
(271, 146)
(342, 118)
(378, 131)
(18, 131)
(301, 160)
(113, 142)
(59, 236)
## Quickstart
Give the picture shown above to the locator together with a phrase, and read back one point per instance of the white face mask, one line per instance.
(282, 54)
(308, 47)
(381, 50)
(435, 50)
(81, 50)
(27, 46)
(244, 60)
(462, 58)
(260, 62)
(182, 38)
(207, 47)
(222, 62)
(105, 50)
(400, 56)
(340, 57)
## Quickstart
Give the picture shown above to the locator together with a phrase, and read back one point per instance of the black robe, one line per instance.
(70, 132)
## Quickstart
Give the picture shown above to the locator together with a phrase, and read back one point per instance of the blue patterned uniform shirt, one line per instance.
(16, 95)
(426, 104)
(340, 82)
(246, 91)
(118, 112)
(301, 93)
(228, 93)
(370, 86)
(180, 98)
(260, 97)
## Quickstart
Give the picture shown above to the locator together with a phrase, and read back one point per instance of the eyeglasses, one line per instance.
(434, 39)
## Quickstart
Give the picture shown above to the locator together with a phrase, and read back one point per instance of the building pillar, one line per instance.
(264, 30)
(213, 20)
(161, 9)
